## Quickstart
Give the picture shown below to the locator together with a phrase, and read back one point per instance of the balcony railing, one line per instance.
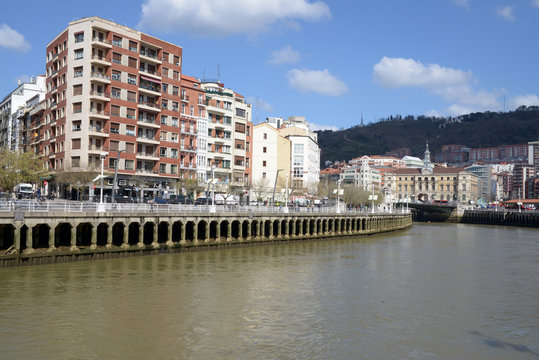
(147, 153)
(98, 93)
(99, 112)
(100, 76)
(95, 129)
(104, 41)
(149, 54)
(146, 120)
(144, 137)
(100, 58)
(150, 87)
(149, 104)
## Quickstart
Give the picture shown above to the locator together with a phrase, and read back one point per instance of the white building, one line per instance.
(11, 107)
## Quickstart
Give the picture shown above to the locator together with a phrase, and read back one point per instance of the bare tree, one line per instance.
(76, 179)
(261, 188)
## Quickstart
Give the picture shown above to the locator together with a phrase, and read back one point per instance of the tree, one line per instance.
(76, 179)
(18, 168)
(260, 188)
(191, 187)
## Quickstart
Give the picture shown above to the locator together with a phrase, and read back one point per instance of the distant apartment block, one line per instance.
(13, 106)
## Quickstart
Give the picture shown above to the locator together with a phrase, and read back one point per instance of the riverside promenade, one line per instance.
(38, 233)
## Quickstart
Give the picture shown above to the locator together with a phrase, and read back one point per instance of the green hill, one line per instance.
(475, 130)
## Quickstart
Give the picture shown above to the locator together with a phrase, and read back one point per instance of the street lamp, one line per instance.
(338, 196)
(212, 206)
(274, 187)
(101, 207)
(116, 175)
(286, 196)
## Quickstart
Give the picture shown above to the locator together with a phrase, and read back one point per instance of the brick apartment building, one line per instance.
(116, 92)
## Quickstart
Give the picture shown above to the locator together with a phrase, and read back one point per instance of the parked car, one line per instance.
(159, 200)
(180, 199)
(203, 201)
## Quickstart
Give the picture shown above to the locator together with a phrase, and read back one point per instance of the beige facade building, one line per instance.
(271, 152)
(448, 184)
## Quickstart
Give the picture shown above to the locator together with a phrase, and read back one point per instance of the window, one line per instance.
(114, 128)
(130, 113)
(173, 169)
(264, 163)
(112, 162)
(174, 137)
(165, 88)
(77, 72)
(298, 148)
(117, 41)
(77, 108)
(240, 112)
(132, 62)
(164, 104)
(79, 37)
(174, 153)
(115, 110)
(133, 46)
(116, 58)
(75, 144)
(129, 164)
(263, 174)
(164, 119)
(192, 112)
(131, 79)
(114, 145)
(175, 106)
(164, 72)
(163, 152)
(115, 93)
(130, 130)
(130, 148)
(162, 168)
(78, 54)
(240, 128)
(175, 90)
(298, 160)
(176, 60)
(165, 56)
(132, 96)
(264, 149)
(163, 136)
(116, 75)
(75, 161)
(77, 90)
(75, 126)
(265, 136)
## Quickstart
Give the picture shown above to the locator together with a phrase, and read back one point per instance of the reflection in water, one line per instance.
(433, 291)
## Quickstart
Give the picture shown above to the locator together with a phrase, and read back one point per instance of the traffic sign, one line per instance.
(94, 186)
(45, 183)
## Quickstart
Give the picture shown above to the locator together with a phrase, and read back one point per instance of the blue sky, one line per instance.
(331, 61)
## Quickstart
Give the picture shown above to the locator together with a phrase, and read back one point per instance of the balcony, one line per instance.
(100, 42)
(98, 114)
(188, 148)
(54, 73)
(184, 98)
(149, 73)
(149, 106)
(101, 96)
(148, 122)
(100, 60)
(147, 140)
(97, 132)
(143, 171)
(150, 56)
(152, 90)
(143, 155)
(97, 150)
(100, 77)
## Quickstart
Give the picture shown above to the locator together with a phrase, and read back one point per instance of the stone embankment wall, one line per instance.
(31, 238)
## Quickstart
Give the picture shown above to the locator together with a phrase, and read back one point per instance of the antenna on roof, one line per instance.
(204, 75)
(218, 72)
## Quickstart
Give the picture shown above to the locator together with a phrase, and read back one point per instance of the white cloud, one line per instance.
(284, 56)
(454, 85)
(260, 104)
(534, 3)
(462, 3)
(527, 100)
(12, 39)
(506, 12)
(221, 18)
(317, 81)
(432, 113)
(399, 72)
(315, 127)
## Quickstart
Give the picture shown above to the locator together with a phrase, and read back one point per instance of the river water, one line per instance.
(434, 291)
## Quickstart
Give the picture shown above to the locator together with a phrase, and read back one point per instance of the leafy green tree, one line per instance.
(18, 168)
(76, 179)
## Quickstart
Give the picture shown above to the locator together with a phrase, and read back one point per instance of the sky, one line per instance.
(334, 62)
